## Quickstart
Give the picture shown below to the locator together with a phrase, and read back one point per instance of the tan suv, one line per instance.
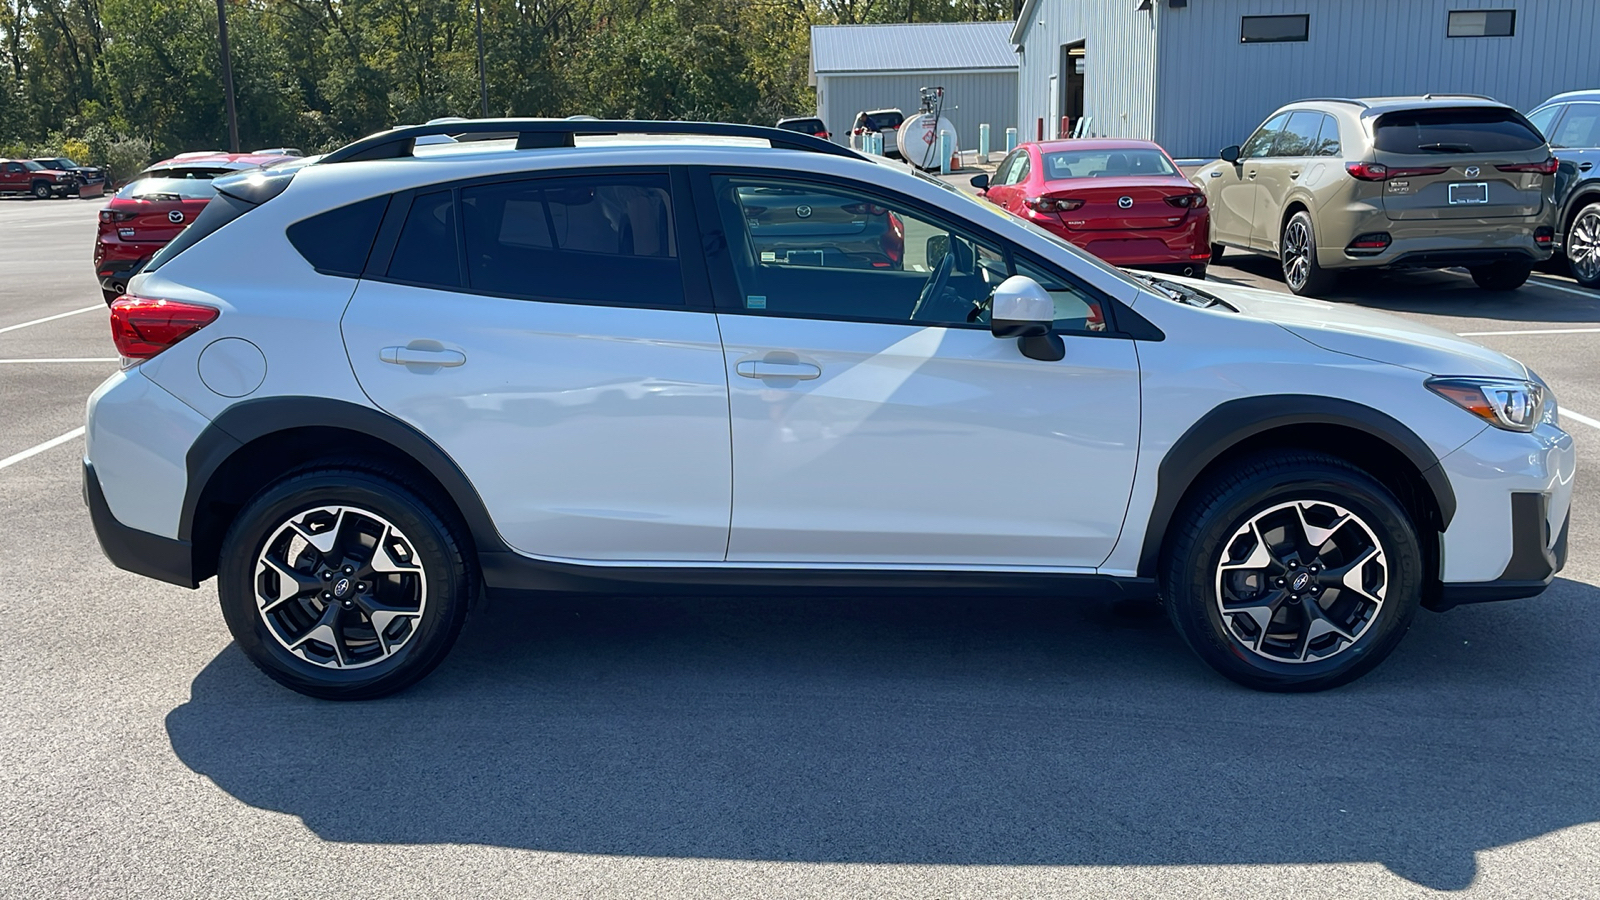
(1395, 182)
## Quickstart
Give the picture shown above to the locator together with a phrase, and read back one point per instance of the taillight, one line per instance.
(142, 328)
(1187, 201)
(864, 209)
(1544, 235)
(116, 215)
(894, 241)
(1548, 167)
(1052, 204)
(1367, 171)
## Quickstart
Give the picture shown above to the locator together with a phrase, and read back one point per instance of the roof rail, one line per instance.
(1467, 96)
(1361, 103)
(535, 134)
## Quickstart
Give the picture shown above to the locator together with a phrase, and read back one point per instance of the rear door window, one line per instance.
(581, 239)
(1580, 128)
(428, 252)
(1466, 130)
(1328, 139)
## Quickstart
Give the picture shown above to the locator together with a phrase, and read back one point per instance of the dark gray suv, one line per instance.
(1572, 122)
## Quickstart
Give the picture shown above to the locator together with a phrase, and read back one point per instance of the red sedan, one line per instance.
(160, 202)
(1124, 201)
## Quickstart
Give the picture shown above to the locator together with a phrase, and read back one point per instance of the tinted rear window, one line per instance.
(427, 252)
(337, 242)
(882, 121)
(804, 125)
(167, 189)
(1471, 130)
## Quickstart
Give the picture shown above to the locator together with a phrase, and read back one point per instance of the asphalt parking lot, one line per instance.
(761, 747)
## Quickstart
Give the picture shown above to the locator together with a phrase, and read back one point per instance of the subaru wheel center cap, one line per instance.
(1301, 581)
(341, 587)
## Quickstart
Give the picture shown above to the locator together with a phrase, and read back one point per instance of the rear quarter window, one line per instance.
(338, 241)
(1469, 130)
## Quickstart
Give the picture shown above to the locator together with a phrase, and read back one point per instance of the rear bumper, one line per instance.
(114, 267)
(140, 552)
(1436, 244)
(1185, 244)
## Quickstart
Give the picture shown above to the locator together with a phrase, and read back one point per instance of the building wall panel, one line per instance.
(971, 99)
(1119, 65)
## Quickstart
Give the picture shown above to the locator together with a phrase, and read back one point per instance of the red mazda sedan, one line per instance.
(1124, 201)
(160, 202)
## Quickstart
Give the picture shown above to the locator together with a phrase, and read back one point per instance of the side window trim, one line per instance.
(388, 235)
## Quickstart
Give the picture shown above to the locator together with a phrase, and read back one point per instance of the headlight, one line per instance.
(1508, 403)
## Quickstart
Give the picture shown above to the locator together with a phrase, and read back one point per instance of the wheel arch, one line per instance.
(1373, 441)
(1587, 193)
(255, 442)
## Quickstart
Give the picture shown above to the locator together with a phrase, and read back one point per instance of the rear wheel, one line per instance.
(1298, 251)
(342, 584)
(1583, 246)
(1501, 276)
(1292, 572)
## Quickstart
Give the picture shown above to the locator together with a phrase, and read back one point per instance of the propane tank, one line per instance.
(919, 140)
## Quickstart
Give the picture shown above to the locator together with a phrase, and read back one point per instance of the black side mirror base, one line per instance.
(1043, 347)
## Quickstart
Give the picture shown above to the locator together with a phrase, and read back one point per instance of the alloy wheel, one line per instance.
(1583, 245)
(1296, 254)
(1301, 582)
(340, 587)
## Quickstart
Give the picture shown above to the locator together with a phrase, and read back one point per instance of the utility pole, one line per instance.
(227, 77)
(483, 79)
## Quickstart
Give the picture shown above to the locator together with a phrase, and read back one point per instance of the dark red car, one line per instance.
(155, 206)
(1124, 201)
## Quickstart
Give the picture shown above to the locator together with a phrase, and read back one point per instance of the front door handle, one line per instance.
(1294, 174)
(761, 368)
(1251, 174)
(419, 356)
(1584, 167)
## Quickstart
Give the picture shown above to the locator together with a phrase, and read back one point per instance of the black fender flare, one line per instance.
(1237, 420)
(250, 420)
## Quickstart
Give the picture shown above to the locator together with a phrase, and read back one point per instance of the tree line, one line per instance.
(121, 82)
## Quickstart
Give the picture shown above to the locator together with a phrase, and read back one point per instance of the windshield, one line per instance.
(1106, 163)
(155, 189)
(32, 166)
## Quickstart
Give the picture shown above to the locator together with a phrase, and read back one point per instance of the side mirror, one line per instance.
(938, 245)
(1230, 154)
(981, 182)
(1020, 308)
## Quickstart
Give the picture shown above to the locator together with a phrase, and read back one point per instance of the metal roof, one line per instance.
(923, 46)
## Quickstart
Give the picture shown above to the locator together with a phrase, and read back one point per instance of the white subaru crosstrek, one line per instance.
(366, 389)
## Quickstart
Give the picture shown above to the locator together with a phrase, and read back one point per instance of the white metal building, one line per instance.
(1196, 75)
(864, 67)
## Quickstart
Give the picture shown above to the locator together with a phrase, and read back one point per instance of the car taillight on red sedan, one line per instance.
(1052, 204)
(142, 328)
(1187, 201)
(116, 215)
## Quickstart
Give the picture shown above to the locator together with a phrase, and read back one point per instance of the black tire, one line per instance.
(436, 550)
(41, 191)
(1209, 524)
(1504, 276)
(1197, 272)
(1583, 246)
(1216, 253)
(1298, 257)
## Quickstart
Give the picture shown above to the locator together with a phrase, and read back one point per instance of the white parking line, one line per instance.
(52, 318)
(82, 359)
(15, 458)
(1533, 331)
(1561, 287)
(1579, 417)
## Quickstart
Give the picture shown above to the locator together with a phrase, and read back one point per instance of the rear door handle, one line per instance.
(760, 368)
(1294, 174)
(414, 356)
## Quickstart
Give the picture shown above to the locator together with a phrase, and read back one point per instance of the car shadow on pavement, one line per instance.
(1436, 293)
(935, 731)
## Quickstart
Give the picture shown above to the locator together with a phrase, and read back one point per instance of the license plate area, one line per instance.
(1467, 193)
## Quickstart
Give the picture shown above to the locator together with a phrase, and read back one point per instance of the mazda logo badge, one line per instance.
(1125, 202)
(803, 212)
(175, 217)
(1472, 171)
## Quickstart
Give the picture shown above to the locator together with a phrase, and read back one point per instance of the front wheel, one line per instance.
(1501, 276)
(1583, 246)
(1297, 249)
(340, 583)
(41, 191)
(1292, 572)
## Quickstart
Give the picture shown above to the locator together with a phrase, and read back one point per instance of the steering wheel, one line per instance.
(935, 285)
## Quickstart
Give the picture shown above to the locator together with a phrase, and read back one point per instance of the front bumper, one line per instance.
(1536, 557)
